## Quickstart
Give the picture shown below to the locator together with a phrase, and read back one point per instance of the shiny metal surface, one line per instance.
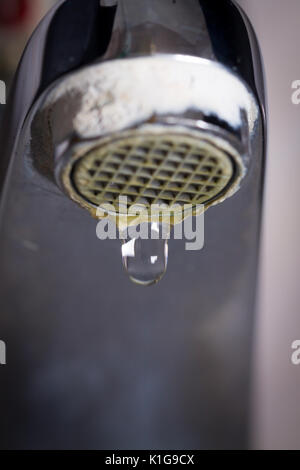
(94, 361)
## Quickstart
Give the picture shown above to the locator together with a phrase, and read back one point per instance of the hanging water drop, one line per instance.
(146, 260)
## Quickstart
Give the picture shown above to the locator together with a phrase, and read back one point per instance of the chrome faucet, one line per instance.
(156, 101)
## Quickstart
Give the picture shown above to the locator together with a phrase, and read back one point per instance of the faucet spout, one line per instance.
(155, 102)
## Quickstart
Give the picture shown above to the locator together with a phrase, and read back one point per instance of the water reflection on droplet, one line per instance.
(146, 260)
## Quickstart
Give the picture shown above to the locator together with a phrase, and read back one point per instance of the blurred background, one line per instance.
(276, 421)
(276, 381)
(18, 18)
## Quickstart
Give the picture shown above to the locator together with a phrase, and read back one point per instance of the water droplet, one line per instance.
(146, 260)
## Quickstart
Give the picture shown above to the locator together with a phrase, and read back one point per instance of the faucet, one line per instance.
(150, 101)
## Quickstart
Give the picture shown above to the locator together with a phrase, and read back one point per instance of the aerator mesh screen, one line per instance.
(153, 169)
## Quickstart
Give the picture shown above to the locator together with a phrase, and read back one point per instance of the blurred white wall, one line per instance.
(276, 404)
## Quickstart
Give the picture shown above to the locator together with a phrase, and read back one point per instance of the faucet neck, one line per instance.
(147, 27)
